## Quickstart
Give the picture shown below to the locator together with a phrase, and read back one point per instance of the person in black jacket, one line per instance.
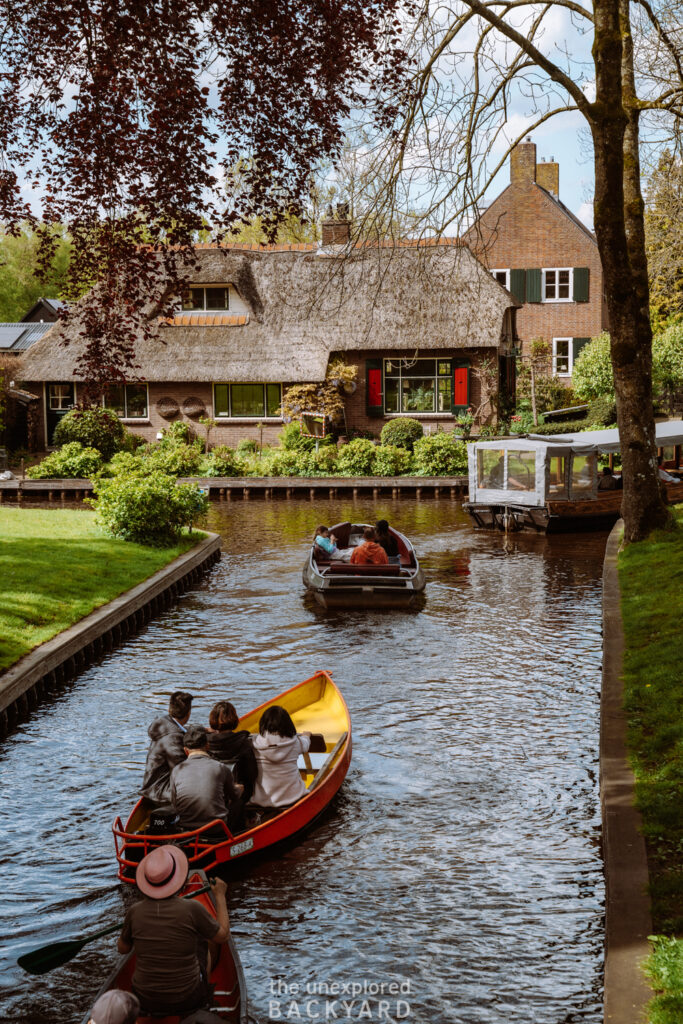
(387, 540)
(166, 749)
(232, 747)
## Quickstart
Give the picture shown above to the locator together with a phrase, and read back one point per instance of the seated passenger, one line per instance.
(277, 749)
(326, 540)
(369, 552)
(203, 789)
(608, 481)
(170, 935)
(115, 1007)
(166, 749)
(663, 475)
(227, 745)
(386, 540)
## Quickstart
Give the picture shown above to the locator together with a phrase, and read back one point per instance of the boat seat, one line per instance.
(348, 569)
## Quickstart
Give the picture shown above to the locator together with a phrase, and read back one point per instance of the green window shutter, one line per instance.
(518, 284)
(374, 388)
(581, 284)
(533, 286)
(577, 345)
(460, 396)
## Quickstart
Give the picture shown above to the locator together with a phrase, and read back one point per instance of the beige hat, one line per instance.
(115, 1007)
(163, 872)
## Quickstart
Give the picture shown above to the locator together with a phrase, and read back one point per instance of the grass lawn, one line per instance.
(651, 578)
(57, 566)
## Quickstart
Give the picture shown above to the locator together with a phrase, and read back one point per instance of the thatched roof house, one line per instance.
(272, 316)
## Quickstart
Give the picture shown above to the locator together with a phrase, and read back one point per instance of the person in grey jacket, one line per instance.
(203, 789)
(166, 749)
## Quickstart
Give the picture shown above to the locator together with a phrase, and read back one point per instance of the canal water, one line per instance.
(458, 871)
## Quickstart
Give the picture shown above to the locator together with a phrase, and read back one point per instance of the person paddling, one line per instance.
(176, 941)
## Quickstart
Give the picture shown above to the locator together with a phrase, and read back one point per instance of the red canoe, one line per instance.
(227, 978)
(315, 705)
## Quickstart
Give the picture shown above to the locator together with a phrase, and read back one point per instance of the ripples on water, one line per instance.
(462, 855)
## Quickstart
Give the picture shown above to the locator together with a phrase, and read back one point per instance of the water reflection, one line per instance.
(461, 857)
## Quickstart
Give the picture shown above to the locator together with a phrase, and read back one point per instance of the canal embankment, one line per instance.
(23, 491)
(651, 603)
(67, 596)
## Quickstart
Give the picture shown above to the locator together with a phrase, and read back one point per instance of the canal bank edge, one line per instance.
(51, 664)
(628, 920)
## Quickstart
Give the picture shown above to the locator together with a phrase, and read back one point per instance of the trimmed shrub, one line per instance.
(126, 464)
(72, 460)
(602, 411)
(401, 433)
(222, 462)
(570, 427)
(391, 460)
(92, 428)
(247, 446)
(175, 459)
(440, 455)
(356, 458)
(178, 432)
(320, 463)
(148, 510)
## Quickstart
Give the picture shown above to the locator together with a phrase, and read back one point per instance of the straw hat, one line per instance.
(162, 873)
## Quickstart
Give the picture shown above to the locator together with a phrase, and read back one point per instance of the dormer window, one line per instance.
(207, 298)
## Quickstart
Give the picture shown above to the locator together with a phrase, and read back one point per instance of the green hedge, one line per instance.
(71, 461)
(148, 510)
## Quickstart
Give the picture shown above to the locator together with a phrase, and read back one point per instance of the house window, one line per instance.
(502, 277)
(207, 298)
(562, 357)
(60, 397)
(129, 401)
(247, 400)
(557, 285)
(418, 385)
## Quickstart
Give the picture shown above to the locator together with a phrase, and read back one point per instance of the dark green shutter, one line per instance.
(581, 284)
(533, 286)
(577, 345)
(460, 370)
(374, 388)
(518, 284)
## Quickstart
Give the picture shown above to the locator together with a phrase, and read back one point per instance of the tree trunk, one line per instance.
(619, 229)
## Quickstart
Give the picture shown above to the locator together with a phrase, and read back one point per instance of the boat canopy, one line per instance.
(529, 471)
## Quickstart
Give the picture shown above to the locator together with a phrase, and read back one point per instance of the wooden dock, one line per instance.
(264, 487)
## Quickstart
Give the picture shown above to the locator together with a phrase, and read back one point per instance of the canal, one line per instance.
(461, 859)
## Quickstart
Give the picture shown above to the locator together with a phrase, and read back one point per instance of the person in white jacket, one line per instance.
(277, 749)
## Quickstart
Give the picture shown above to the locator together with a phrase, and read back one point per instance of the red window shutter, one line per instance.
(460, 396)
(374, 387)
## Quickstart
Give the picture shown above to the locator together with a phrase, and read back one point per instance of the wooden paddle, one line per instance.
(56, 954)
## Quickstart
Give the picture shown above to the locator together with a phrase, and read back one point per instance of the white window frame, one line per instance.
(221, 417)
(556, 270)
(60, 407)
(502, 270)
(570, 360)
(126, 418)
(204, 311)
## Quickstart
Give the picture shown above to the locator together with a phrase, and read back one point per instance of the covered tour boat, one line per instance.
(550, 484)
(336, 583)
(316, 706)
(227, 979)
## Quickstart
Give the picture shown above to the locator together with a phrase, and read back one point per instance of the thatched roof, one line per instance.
(303, 304)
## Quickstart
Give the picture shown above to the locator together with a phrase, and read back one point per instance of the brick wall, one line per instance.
(524, 228)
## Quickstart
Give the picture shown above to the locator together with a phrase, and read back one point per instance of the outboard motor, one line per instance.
(164, 821)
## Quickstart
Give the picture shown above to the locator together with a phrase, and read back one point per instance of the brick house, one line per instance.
(547, 258)
(430, 331)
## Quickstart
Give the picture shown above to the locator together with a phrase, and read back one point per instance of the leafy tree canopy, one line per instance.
(664, 239)
(22, 278)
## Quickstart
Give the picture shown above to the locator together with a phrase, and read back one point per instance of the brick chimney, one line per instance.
(336, 227)
(523, 162)
(548, 176)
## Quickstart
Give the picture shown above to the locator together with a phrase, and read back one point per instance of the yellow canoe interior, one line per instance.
(316, 705)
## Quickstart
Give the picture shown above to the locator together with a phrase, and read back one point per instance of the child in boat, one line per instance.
(326, 540)
(369, 552)
(277, 749)
(232, 747)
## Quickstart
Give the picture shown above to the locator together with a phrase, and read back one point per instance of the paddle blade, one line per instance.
(45, 959)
